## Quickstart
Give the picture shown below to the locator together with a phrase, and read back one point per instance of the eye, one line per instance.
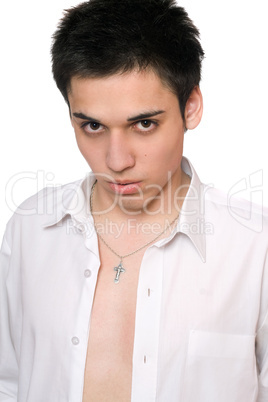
(92, 127)
(146, 125)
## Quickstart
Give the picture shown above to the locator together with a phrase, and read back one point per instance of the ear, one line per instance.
(194, 109)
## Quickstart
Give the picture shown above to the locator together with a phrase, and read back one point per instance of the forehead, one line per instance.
(124, 92)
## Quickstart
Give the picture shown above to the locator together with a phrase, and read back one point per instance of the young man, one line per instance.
(137, 283)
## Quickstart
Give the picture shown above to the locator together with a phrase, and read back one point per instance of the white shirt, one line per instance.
(201, 332)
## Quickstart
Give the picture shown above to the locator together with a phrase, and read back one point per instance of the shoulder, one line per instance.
(56, 195)
(47, 205)
(235, 213)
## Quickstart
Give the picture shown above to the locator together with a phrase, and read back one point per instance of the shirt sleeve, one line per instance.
(262, 341)
(8, 361)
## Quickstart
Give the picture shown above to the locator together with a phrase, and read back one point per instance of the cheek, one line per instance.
(174, 146)
(166, 151)
(84, 149)
(80, 141)
(166, 157)
(91, 150)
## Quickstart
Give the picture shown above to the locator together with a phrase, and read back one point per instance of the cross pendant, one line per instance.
(118, 270)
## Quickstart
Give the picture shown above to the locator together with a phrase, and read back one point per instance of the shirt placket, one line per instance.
(80, 339)
(147, 325)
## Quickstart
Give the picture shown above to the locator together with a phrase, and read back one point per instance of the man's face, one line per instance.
(130, 131)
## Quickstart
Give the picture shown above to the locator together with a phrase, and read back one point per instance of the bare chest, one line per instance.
(108, 372)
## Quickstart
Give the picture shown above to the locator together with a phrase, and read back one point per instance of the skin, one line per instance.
(121, 146)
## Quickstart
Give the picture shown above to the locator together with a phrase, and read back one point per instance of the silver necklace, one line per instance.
(120, 269)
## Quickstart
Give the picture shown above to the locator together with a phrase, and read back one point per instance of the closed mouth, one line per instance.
(125, 183)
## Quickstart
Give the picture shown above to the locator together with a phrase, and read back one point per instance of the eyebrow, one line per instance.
(146, 115)
(84, 117)
(141, 116)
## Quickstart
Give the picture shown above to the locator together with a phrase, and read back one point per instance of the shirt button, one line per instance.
(75, 341)
(87, 273)
(81, 227)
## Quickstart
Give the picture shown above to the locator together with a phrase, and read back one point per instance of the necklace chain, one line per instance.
(135, 251)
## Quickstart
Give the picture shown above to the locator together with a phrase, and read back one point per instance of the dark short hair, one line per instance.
(100, 38)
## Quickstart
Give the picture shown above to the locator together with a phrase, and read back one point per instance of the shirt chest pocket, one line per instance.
(220, 367)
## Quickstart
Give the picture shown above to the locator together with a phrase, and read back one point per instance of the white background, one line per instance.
(36, 136)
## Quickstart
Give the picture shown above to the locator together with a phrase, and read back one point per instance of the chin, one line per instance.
(131, 207)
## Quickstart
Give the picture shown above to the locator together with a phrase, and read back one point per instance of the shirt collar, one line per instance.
(191, 221)
(73, 200)
(192, 216)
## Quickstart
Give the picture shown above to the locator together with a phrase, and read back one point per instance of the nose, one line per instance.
(119, 153)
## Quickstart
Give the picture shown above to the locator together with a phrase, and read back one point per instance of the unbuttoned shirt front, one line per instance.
(201, 328)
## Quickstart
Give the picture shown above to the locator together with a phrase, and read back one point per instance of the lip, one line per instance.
(125, 187)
